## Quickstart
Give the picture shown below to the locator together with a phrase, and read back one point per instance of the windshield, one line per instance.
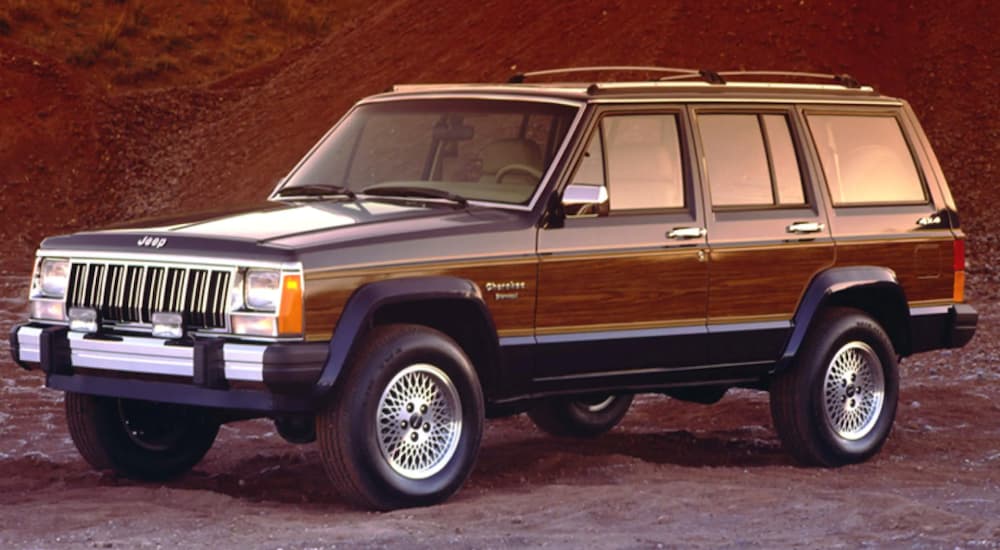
(475, 149)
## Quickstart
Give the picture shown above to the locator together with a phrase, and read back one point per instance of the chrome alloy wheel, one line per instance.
(853, 390)
(597, 404)
(419, 421)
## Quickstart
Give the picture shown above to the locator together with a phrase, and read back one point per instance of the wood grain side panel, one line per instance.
(327, 293)
(763, 282)
(924, 267)
(656, 288)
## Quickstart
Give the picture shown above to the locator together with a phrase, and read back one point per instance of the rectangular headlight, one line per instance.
(53, 278)
(262, 289)
(267, 302)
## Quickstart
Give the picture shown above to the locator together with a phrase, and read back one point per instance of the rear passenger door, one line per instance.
(622, 285)
(767, 229)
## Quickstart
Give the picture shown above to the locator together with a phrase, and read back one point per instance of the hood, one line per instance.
(269, 225)
(276, 232)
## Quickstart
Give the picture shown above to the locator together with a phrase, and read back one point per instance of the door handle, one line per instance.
(805, 227)
(929, 221)
(686, 233)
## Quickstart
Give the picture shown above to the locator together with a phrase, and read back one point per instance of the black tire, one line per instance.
(580, 416)
(827, 413)
(139, 439)
(299, 430)
(370, 407)
(704, 395)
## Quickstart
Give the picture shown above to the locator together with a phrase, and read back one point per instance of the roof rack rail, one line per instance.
(844, 80)
(712, 77)
(709, 76)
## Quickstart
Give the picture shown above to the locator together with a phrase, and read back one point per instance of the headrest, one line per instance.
(504, 152)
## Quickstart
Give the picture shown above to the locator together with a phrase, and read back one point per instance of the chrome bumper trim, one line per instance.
(243, 362)
(131, 354)
(28, 344)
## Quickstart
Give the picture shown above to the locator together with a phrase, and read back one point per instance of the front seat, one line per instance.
(641, 172)
(503, 153)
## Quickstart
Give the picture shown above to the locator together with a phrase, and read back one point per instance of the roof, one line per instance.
(683, 84)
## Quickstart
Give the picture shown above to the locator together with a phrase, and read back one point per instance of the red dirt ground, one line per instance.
(74, 154)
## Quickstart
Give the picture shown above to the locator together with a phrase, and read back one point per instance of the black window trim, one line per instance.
(854, 110)
(760, 110)
(775, 199)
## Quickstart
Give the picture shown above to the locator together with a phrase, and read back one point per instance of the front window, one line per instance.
(636, 159)
(484, 150)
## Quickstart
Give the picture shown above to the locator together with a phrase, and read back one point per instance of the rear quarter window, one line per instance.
(866, 160)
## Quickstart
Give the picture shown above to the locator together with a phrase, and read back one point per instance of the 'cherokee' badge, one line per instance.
(505, 290)
(152, 242)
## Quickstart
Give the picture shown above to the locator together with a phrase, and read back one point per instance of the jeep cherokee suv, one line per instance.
(451, 252)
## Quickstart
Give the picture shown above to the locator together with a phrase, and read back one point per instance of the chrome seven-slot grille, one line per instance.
(127, 293)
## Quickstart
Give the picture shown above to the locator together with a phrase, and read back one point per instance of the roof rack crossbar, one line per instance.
(520, 77)
(845, 80)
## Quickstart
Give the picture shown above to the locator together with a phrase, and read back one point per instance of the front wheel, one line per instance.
(139, 439)
(404, 425)
(580, 416)
(836, 406)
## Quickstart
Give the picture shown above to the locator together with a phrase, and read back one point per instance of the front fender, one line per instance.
(358, 314)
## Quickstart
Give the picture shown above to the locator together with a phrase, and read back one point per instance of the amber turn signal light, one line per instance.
(958, 289)
(290, 314)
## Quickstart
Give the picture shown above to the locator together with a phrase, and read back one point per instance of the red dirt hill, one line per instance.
(147, 152)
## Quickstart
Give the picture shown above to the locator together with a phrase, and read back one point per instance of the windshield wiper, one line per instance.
(418, 192)
(318, 190)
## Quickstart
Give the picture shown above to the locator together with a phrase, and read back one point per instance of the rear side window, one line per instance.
(866, 160)
(750, 160)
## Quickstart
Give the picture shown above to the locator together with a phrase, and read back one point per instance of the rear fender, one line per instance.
(837, 286)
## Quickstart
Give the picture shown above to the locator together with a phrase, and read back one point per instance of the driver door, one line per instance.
(623, 285)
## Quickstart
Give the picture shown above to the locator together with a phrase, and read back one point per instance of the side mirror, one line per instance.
(581, 199)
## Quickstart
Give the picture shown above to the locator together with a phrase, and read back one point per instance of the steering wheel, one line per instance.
(518, 169)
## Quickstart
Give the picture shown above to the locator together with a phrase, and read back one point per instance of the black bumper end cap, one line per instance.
(209, 364)
(294, 367)
(53, 350)
(964, 319)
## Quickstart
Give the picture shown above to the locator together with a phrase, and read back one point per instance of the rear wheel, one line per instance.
(580, 416)
(404, 425)
(836, 406)
(139, 439)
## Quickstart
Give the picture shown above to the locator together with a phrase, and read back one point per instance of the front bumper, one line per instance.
(205, 372)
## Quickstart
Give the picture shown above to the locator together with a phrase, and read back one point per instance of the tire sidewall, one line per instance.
(843, 331)
(132, 460)
(433, 348)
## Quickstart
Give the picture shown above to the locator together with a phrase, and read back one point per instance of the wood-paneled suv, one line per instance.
(448, 253)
